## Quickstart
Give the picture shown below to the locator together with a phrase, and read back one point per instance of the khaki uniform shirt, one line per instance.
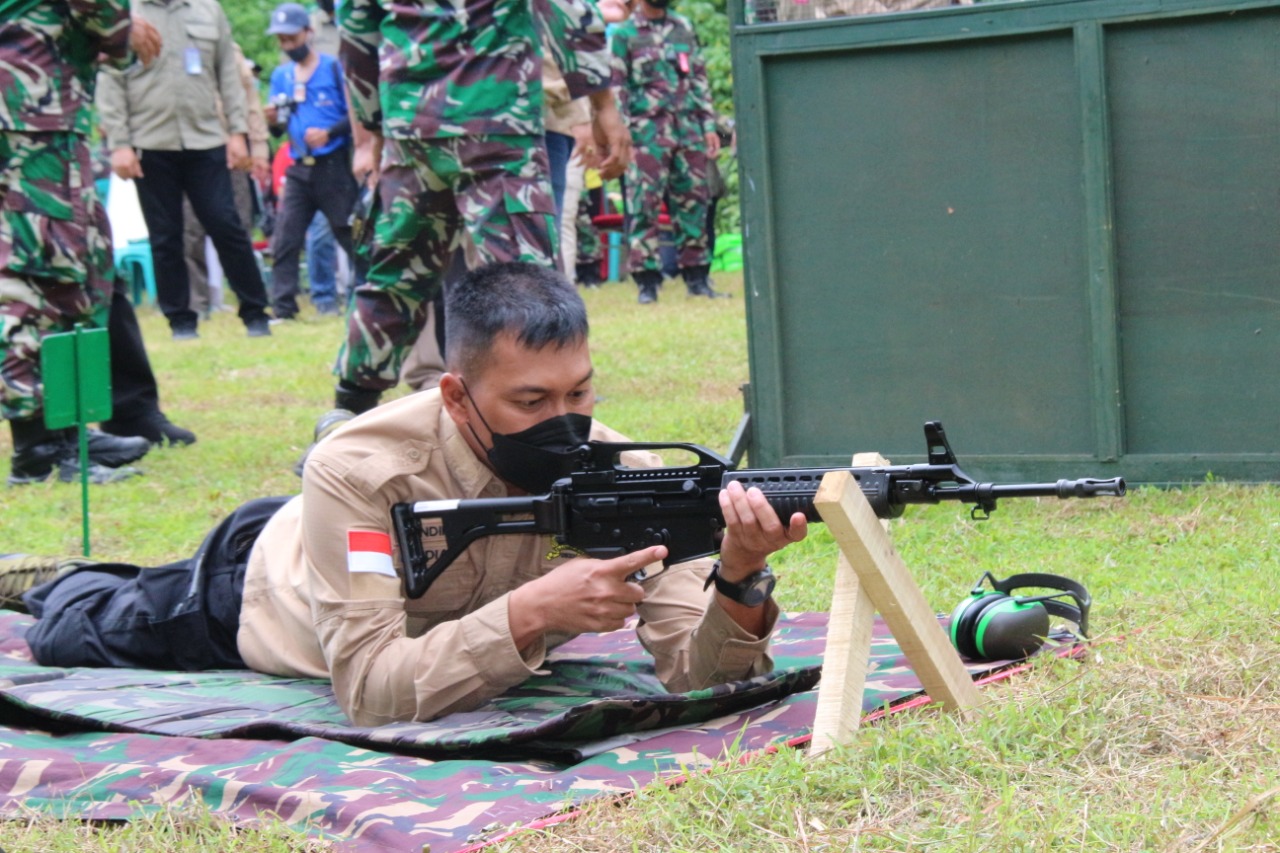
(305, 613)
(172, 105)
(561, 113)
(255, 116)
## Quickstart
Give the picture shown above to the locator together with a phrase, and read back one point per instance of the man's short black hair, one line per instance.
(535, 303)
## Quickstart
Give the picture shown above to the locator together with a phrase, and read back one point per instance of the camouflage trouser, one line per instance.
(497, 187)
(675, 171)
(590, 249)
(55, 255)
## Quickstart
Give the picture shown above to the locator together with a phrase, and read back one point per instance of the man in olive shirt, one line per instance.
(310, 586)
(162, 125)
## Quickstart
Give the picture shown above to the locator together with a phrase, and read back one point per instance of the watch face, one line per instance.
(754, 590)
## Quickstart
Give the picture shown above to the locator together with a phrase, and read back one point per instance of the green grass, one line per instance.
(1166, 738)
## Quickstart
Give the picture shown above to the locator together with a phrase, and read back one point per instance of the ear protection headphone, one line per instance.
(996, 625)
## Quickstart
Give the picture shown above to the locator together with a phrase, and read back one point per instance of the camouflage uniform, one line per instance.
(462, 120)
(55, 253)
(590, 248)
(667, 102)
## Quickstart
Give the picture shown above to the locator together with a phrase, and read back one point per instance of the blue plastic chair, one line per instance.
(133, 261)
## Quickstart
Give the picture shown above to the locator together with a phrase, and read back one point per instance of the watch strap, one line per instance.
(752, 591)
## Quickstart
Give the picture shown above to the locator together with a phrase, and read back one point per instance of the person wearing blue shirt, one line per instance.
(308, 102)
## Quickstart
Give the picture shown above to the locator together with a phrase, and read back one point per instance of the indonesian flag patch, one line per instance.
(369, 551)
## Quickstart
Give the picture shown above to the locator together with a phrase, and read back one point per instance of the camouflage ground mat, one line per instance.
(103, 743)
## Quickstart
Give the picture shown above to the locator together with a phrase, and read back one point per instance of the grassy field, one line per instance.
(1166, 738)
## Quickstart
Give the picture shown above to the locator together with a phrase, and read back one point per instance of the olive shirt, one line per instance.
(169, 106)
(305, 613)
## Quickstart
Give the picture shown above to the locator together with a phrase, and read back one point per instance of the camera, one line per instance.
(284, 107)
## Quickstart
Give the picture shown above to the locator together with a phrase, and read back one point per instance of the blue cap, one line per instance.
(288, 19)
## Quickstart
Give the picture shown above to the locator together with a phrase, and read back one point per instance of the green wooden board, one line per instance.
(1053, 225)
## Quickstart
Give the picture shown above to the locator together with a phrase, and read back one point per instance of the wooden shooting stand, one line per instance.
(870, 577)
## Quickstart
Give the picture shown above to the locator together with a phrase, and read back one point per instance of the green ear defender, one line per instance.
(993, 624)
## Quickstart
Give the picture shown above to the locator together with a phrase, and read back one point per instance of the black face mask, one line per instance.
(534, 458)
(299, 53)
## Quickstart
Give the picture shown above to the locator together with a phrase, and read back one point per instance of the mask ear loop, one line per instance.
(483, 420)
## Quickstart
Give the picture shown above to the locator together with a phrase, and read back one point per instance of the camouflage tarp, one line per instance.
(249, 744)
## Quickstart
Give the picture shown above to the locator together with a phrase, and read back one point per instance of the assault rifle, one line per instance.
(605, 509)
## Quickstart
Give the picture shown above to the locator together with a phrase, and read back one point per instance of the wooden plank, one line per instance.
(885, 579)
(848, 650)
(844, 663)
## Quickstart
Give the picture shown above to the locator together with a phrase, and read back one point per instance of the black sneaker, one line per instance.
(185, 333)
(260, 328)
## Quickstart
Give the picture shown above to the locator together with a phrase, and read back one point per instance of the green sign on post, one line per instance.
(76, 371)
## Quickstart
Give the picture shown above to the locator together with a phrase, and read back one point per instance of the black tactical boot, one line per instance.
(355, 399)
(37, 449)
(588, 274)
(697, 280)
(648, 281)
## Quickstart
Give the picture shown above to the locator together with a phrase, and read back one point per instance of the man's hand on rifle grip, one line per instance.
(753, 531)
(583, 595)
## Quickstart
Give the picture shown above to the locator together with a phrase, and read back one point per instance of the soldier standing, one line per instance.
(55, 243)
(456, 113)
(667, 101)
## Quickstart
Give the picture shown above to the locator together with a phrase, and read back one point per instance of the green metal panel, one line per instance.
(1051, 225)
(76, 370)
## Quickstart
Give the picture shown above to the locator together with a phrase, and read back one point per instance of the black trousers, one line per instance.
(202, 177)
(182, 616)
(134, 395)
(326, 186)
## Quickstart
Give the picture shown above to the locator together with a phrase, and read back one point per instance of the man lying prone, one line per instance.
(308, 586)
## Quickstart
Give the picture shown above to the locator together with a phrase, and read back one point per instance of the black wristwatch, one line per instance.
(752, 591)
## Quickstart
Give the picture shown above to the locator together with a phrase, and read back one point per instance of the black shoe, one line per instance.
(112, 451)
(588, 274)
(648, 281)
(185, 333)
(260, 328)
(354, 398)
(702, 287)
(155, 428)
(33, 463)
(36, 467)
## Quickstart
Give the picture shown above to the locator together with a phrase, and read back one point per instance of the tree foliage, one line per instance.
(249, 20)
